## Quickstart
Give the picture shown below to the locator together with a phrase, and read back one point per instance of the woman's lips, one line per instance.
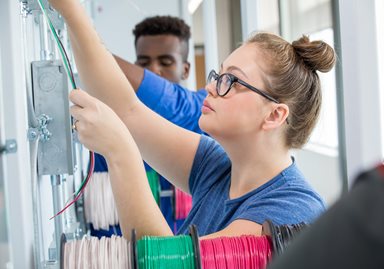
(206, 107)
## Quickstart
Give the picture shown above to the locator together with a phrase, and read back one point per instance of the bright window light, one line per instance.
(193, 5)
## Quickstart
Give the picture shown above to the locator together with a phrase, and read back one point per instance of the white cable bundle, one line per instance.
(90, 252)
(99, 204)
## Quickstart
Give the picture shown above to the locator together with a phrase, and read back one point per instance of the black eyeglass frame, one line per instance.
(234, 79)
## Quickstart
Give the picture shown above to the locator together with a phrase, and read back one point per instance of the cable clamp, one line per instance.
(41, 132)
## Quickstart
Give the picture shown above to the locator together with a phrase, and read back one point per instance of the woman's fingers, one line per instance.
(83, 111)
(84, 105)
(81, 98)
(76, 112)
(97, 126)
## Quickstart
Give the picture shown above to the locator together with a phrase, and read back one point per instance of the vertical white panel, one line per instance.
(17, 182)
(224, 29)
(359, 56)
(380, 43)
(248, 17)
(4, 241)
(210, 36)
(187, 17)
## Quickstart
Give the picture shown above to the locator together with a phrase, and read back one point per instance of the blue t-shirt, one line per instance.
(285, 199)
(178, 105)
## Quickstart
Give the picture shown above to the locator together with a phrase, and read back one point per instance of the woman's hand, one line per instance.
(98, 127)
(101, 130)
(64, 6)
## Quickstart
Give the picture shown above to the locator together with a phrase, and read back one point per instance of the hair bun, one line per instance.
(317, 55)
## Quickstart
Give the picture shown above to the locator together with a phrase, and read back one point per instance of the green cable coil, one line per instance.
(166, 252)
(154, 184)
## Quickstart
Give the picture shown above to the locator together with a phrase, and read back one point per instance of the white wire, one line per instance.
(80, 255)
(129, 258)
(119, 252)
(100, 207)
(113, 253)
(101, 252)
(107, 251)
(94, 253)
(87, 253)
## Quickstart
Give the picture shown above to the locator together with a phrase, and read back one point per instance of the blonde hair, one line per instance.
(291, 77)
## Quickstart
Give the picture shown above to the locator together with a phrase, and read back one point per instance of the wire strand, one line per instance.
(83, 185)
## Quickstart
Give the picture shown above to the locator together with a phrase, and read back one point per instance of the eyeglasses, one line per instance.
(225, 82)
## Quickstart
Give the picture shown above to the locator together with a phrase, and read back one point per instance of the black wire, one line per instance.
(69, 63)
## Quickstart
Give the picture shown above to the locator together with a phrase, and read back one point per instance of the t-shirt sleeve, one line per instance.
(210, 163)
(172, 101)
(100, 164)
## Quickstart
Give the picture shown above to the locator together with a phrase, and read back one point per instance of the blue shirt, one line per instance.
(285, 199)
(178, 105)
(172, 101)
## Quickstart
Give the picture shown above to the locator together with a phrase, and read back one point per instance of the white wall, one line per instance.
(224, 29)
(322, 172)
(115, 19)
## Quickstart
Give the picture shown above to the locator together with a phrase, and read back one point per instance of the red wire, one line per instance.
(246, 251)
(89, 175)
(183, 204)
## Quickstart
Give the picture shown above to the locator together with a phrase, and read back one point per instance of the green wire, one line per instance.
(53, 31)
(166, 252)
(154, 184)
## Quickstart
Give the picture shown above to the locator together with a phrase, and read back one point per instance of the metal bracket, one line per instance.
(32, 6)
(9, 147)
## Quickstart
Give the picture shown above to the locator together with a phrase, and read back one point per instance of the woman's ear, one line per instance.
(277, 117)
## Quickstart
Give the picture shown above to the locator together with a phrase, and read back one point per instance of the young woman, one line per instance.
(264, 101)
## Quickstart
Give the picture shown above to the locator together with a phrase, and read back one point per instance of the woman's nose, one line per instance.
(210, 87)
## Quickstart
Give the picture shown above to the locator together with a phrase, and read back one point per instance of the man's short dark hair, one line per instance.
(163, 25)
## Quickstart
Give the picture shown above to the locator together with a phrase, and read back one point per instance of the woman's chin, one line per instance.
(208, 129)
(203, 124)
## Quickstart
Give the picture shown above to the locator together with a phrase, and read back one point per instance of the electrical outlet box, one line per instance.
(50, 91)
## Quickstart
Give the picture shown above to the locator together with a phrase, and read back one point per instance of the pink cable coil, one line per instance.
(183, 204)
(246, 251)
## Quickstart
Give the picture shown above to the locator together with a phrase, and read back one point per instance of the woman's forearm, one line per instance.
(135, 203)
(93, 61)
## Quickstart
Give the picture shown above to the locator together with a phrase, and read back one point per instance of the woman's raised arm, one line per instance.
(167, 148)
